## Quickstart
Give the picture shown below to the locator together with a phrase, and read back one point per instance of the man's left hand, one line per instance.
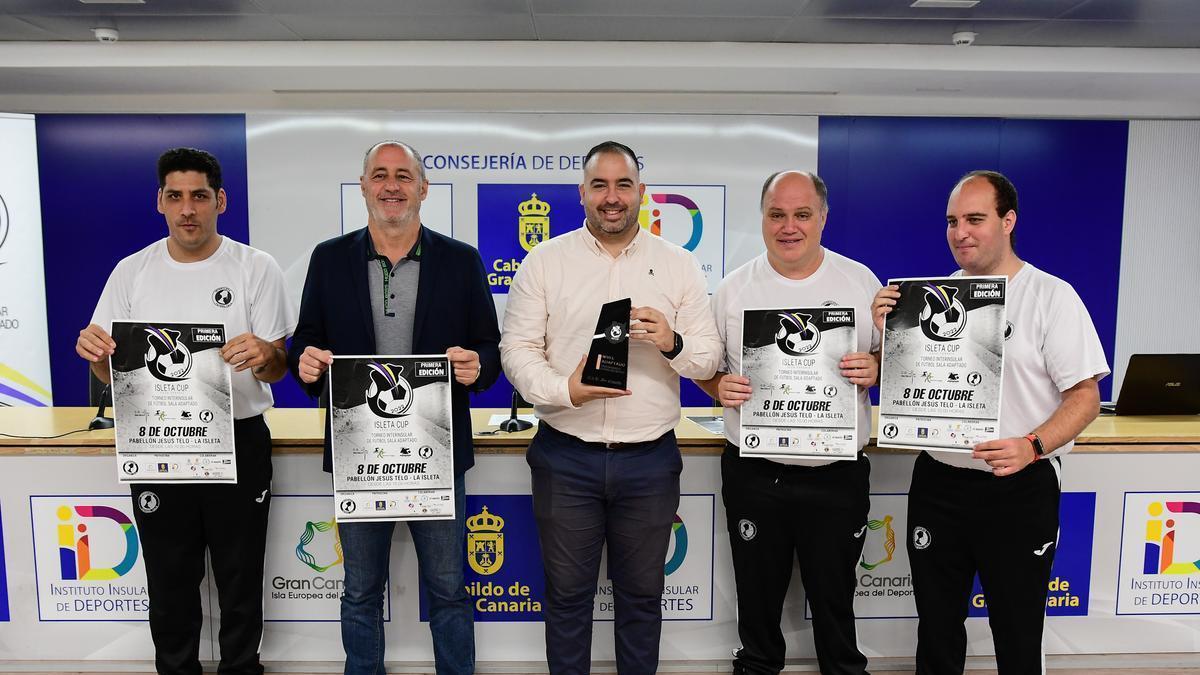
(1006, 456)
(466, 365)
(860, 368)
(652, 327)
(248, 351)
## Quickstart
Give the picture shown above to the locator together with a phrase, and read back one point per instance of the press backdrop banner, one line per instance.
(24, 354)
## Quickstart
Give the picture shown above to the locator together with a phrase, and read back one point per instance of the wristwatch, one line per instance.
(1039, 450)
(676, 349)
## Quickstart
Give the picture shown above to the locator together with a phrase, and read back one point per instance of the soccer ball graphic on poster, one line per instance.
(943, 317)
(797, 334)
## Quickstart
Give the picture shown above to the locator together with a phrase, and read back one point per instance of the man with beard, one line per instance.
(605, 461)
(397, 287)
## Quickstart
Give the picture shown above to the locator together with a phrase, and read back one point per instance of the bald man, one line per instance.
(777, 509)
(397, 287)
(995, 511)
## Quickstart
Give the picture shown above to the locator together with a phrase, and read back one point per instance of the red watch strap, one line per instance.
(1036, 443)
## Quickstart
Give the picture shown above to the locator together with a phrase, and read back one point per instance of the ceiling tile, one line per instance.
(15, 28)
(498, 27)
(370, 8)
(659, 29)
(986, 9)
(1178, 34)
(151, 8)
(1139, 10)
(898, 31)
(674, 8)
(198, 28)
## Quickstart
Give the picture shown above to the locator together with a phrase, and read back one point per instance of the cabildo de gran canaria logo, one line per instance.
(167, 358)
(651, 217)
(388, 393)
(311, 530)
(943, 317)
(485, 542)
(797, 335)
(75, 551)
(1161, 539)
(533, 222)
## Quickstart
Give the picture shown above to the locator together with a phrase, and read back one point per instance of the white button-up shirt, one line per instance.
(550, 318)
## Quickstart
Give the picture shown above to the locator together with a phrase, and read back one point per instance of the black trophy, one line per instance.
(608, 360)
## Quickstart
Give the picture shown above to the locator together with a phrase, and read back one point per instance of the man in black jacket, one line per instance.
(396, 287)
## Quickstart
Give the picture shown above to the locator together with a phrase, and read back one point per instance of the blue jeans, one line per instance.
(441, 552)
(584, 498)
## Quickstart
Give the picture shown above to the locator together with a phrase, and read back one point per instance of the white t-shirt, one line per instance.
(1051, 346)
(837, 281)
(150, 285)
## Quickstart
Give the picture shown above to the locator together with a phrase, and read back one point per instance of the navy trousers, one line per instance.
(584, 497)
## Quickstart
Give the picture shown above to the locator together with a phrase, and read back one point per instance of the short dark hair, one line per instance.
(612, 146)
(818, 184)
(189, 159)
(1006, 195)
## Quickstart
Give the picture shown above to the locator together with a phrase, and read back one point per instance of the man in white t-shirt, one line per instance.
(812, 510)
(195, 275)
(995, 512)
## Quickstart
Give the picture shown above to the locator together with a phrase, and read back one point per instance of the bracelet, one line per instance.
(1039, 451)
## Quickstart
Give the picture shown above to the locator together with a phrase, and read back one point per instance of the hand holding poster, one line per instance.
(393, 456)
(171, 394)
(943, 363)
(800, 405)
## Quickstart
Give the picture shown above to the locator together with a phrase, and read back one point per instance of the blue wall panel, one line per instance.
(98, 193)
(889, 179)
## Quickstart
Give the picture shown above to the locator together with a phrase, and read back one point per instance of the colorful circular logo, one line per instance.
(3, 221)
(681, 542)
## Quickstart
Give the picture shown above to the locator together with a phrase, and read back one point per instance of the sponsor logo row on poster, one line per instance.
(88, 562)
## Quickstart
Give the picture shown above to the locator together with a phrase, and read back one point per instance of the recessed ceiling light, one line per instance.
(936, 4)
(113, 2)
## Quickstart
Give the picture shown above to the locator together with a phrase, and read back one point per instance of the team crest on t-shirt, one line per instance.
(1008, 331)
(222, 297)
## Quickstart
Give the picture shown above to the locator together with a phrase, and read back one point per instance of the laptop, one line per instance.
(1160, 384)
